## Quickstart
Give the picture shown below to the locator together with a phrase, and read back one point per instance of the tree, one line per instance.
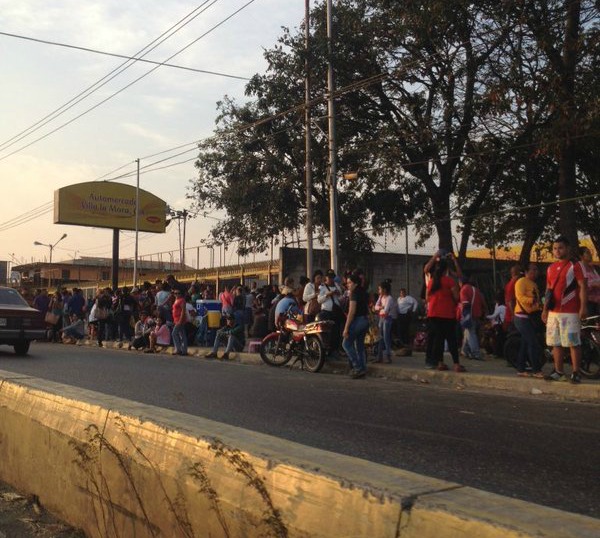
(443, 109)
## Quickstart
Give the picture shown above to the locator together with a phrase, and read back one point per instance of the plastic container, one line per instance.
(214, 319)
(203, 306)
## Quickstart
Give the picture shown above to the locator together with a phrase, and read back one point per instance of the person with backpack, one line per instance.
(472, 309)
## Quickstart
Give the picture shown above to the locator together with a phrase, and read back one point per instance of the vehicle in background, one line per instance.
(19, 323)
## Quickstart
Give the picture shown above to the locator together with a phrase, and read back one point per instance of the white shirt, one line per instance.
(327, 302)
(497, 316)
(407, 304)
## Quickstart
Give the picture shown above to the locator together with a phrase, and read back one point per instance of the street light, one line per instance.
(51, 247)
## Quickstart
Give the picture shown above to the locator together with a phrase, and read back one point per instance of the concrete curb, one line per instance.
(120, 468)
(588, 391)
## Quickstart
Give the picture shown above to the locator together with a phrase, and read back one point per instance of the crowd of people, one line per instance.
(164, 313)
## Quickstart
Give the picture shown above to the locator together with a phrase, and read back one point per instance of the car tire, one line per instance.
(21, 348)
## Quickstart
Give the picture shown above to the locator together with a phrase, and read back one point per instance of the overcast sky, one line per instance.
(168, 108)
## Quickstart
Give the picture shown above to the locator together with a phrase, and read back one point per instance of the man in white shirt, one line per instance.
(329, 297)
(407, 306)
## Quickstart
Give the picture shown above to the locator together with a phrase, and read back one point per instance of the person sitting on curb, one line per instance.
(160, 335)
(233, 332)
(143, 328)
(74, 332)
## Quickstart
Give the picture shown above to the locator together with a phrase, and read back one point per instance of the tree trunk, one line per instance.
(567, 178)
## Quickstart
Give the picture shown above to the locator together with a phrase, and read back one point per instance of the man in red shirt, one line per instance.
(179, 319)
(564, 307)
(509, 294)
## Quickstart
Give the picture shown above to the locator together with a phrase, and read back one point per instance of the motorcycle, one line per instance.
(305, 343)
(590, 347)
(512, 345)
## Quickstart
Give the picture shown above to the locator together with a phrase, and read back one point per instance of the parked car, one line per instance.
(19, 323)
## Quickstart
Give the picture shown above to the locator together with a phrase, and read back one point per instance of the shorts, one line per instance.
(563, 330)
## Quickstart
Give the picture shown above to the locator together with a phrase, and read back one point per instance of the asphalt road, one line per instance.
(541, 451)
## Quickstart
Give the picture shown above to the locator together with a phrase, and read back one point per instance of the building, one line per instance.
(87, 271)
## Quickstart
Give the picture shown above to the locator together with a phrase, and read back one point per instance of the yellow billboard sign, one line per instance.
(104, 204)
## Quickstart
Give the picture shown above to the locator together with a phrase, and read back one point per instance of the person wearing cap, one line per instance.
(330, 295)
(287, 303)
(233, 333)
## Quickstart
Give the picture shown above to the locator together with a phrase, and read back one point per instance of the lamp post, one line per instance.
(50, 246)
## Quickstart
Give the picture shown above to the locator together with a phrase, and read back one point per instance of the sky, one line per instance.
(166, 109)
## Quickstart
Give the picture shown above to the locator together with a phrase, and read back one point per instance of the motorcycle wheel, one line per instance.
(590, 359)
(511, 349)
(314, 357)
(272, 352)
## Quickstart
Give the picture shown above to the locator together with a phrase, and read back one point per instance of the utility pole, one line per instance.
(308, 165)
(137, 223)
(333, 236)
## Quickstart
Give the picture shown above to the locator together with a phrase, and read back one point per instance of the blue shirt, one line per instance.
(283, 306)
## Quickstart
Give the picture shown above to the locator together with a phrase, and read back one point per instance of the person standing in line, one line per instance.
(310, 296)
(356, 327)
(527, 310)
(226, 299)
(472, 308)
(496, 318)
(330, 300)
(179, 321)
(564, 308)
(407, 306)
(442, 299)
(387, 310)
(593, 281)
(428, 270)
(509, 294)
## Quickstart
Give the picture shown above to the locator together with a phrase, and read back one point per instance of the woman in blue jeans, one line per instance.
(387, 310)
(356, 327)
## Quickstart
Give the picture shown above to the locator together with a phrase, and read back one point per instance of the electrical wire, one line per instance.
(123, 56)
(131, 83)
(179, 25)
(341, 91)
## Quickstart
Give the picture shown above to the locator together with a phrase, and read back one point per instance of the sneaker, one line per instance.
(358, 374)
(459, 368)
(210, 355)
(556, 376)
(442, 367)
(575, 378)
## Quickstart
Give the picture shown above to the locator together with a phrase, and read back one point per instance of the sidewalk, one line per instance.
(491, 373)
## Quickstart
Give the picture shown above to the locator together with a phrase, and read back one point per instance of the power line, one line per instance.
(129, 58)
(108, 77)
(133, 82)
(354, 86)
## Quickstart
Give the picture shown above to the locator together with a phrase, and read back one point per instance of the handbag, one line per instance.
(313, 307)
(51, 318)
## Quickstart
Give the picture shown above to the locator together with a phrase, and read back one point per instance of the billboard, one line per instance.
(104, 204)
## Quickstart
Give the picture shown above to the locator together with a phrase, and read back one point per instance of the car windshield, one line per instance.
(11, 297)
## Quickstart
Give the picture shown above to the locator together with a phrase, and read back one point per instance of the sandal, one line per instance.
(524, 374)
(538, 375)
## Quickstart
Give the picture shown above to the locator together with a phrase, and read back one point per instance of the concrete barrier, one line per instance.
(119, 468)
